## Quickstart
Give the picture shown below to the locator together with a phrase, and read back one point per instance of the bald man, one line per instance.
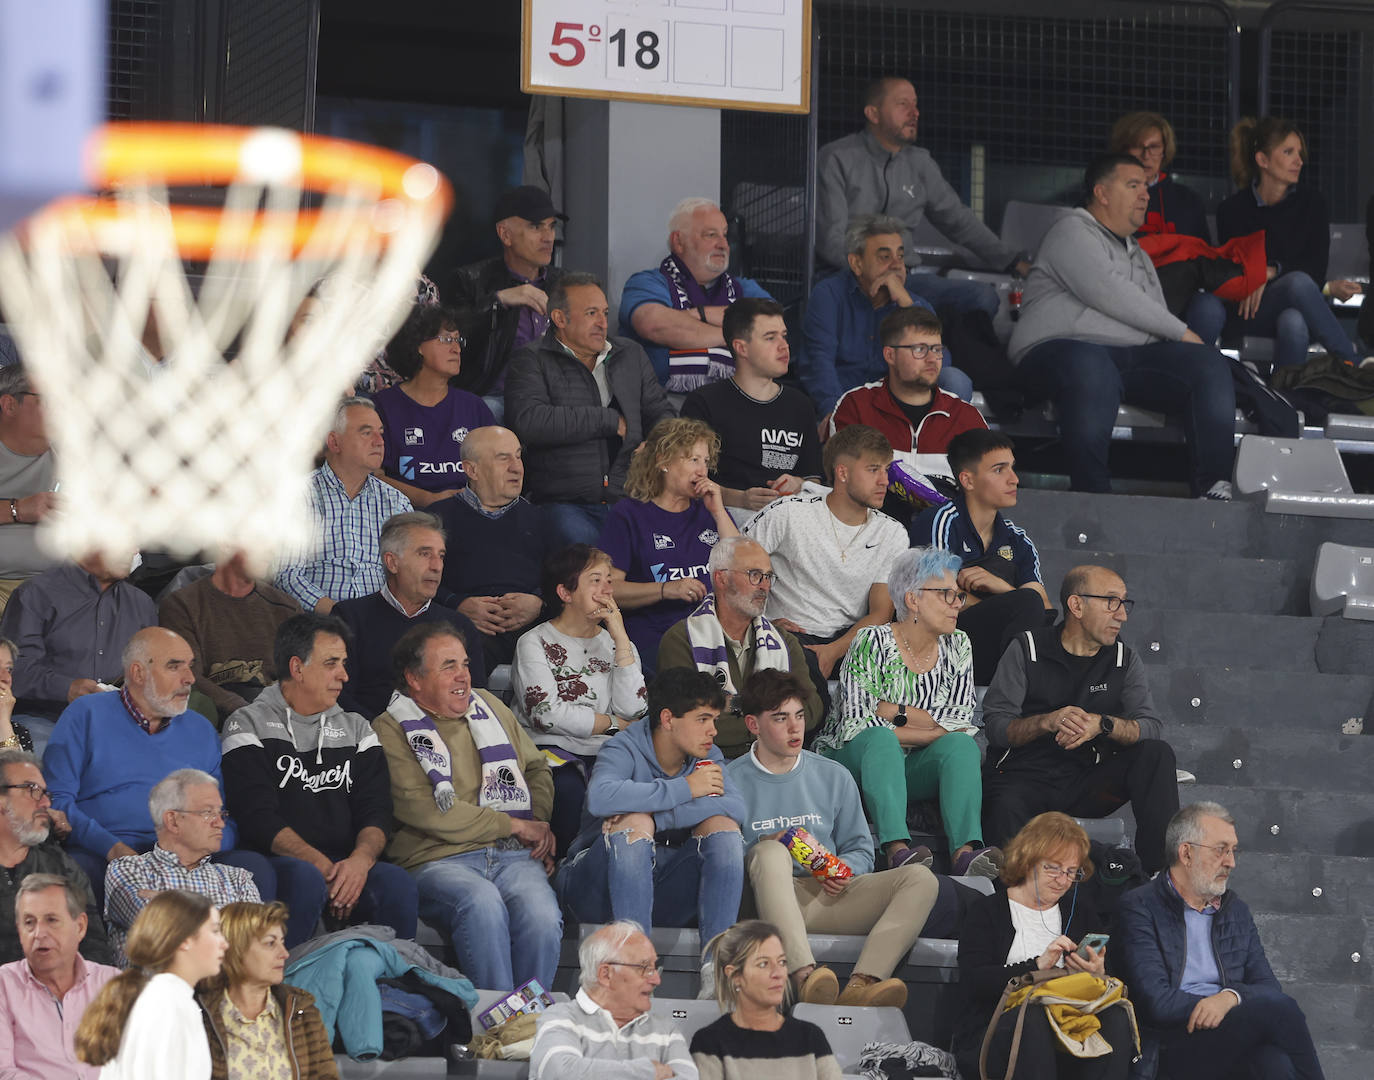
(110, 748)
(496, 543)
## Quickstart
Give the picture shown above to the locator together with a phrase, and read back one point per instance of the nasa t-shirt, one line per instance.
(424, 442)
(759, 440)
(653, 544)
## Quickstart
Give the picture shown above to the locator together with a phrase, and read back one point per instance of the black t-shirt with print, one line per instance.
(759, 440)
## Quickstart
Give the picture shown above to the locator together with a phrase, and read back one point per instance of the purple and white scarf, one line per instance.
(711, 654)
(503, 784)
(690, 368)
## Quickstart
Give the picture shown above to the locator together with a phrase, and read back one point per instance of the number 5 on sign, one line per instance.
(637, 51)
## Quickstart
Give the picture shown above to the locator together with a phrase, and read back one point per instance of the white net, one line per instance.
(206, 441)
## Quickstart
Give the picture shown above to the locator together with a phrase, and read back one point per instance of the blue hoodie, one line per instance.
(627, 779)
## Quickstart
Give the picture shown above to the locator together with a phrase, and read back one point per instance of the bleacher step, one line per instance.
(1284, 883)
(1338, 1014)
(1208, 639)
(1318, 948)
(1290, 820)
(1250, 757)
(1256, 698)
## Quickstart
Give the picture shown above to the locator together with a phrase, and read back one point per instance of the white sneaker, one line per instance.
(1220, 491)
(1184, 776)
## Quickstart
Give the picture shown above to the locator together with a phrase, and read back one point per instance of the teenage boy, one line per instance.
(1001, 571)
(783, 785)
(768, 438)
(660, 840)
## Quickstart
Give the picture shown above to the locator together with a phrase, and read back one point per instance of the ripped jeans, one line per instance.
(656, 884)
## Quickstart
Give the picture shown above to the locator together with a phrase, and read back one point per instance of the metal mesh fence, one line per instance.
(135, 52)
(270, 78)
(1317, 70)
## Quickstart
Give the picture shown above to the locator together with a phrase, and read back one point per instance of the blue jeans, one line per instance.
(40, 731)
(1206, 316)
(1087, 383)
(955, 294)
(497, 908)
(574, 523)
(388, 898)
(657, 885)
(1293, 312)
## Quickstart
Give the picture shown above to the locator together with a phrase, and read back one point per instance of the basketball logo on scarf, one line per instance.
(690, 368)
(422, 746)
(499, 786)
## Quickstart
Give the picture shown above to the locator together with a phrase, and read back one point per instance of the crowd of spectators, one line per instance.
(709, 628)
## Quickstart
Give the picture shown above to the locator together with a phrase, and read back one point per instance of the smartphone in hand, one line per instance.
(1096, 942)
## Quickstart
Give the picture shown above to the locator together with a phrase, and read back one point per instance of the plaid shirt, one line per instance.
(349, 562)
(157, 870)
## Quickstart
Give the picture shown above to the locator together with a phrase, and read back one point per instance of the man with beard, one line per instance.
(1191, 954)
(728, 637)
(29, 833)
(110, 749)
(908, 405)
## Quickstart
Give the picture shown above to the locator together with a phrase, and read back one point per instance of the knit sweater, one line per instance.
(424, 832)
(796, 1051)
(323, 776)
(491, 556)
(820, 795)
(100, 766)
(230, 636)
(376, 627)
(1297, 228)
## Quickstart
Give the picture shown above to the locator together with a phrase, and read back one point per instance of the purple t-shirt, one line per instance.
(423, 442)
(653, 544)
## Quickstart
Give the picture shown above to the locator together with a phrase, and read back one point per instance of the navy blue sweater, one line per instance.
(1297, 229)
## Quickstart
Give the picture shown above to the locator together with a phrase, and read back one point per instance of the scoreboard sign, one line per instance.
(725, 54)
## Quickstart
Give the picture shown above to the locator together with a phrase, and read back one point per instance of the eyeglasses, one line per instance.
(451, 339)
(758, 577)
(1114, 603)
(952, 597)
(1150, 149)
(37, 792)
(207, 816)
(645, 969)
(1219, 850)
(922, 350)
(1074, 875)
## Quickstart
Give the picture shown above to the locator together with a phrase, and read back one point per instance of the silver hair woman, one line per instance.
(902, 722)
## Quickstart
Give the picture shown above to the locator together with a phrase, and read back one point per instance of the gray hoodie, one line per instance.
(1090, 285)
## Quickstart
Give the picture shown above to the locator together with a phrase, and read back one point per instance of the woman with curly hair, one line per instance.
(576, 677)
(425, 419)
(660, 536)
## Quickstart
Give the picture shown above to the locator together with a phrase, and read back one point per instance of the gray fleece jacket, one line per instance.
(856, 175)
(1090, 285)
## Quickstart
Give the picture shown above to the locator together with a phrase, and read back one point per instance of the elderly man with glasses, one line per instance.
(1206, 997)
(188, 813)
(1071, 725)
(30, 830)
(607, 1031)
(729, 637)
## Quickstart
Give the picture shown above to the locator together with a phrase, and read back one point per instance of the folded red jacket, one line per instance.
(1245, 251)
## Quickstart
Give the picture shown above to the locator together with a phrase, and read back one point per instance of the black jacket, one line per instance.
(572, 451)
(488, 326)
(49, 858)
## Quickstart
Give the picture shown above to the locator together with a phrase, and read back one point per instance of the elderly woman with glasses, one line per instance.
(902, 722)
(425, 419)
(1036, 919)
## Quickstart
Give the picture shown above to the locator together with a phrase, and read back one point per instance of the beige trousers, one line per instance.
(890, 907)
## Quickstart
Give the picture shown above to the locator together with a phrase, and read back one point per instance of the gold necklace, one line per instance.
(925, 662)
(844, 548)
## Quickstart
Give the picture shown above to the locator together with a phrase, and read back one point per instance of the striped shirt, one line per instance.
(348, 561)
(579, 1039)
(873, 671)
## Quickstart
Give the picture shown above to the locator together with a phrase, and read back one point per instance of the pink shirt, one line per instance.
(36, 1032)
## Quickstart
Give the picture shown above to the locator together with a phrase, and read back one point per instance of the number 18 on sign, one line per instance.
(752, 54)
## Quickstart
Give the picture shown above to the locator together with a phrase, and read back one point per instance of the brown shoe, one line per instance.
(890, 992)
(821, 987)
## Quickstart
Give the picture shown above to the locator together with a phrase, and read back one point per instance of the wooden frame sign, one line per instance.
(723, 54)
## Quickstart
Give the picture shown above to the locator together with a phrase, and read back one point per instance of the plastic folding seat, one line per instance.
(1343, 582)
(1298, 476)
(848, 1029)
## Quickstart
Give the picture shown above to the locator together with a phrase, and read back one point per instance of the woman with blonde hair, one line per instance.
(754, 1038)
(1267, 159)
(1033, 921)
(660, 536)
(145, 1023)
(258, 1026)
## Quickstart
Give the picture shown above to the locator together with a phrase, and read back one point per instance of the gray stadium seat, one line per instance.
(937, 250)
(1298, 476)
(498, 682)
(1024, 224)
(689, 1014)
(1343, 581)
(1349, 257)
(405, 1069)
(848, 1029)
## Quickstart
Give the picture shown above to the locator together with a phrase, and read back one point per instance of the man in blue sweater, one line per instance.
(1191, 954)
(109, 750)
(784, 786)
(660, 840)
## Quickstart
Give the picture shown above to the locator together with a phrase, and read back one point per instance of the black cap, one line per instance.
(528, 202)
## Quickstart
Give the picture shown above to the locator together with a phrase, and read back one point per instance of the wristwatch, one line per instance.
(1108, 725)
(612, 727)
(900, 719)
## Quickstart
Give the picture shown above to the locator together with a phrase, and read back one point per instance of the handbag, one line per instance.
(1071, 998)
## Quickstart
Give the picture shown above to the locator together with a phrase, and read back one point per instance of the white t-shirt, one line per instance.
(822, 590)
(1035, 930)
(164, 1038)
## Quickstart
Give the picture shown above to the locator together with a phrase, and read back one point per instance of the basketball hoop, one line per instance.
(208, 446)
